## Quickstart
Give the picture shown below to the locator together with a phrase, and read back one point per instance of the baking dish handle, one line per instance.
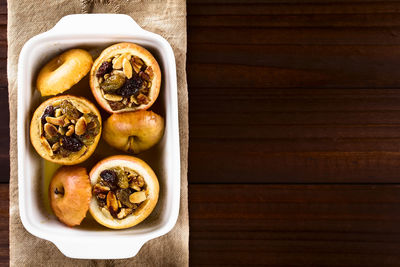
(96, 24)
(99, 250)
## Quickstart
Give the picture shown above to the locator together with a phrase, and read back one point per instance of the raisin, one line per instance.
(131, 86)
(48, 112)
(105, 67)
(69, 109)
(113, 83)
(123, 181)
(71, 143)
(110, 178)
(123, 196)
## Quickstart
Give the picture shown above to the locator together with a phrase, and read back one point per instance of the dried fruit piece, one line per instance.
(123, 196)
(71, 143)
(110, 178)
(137, 197)
(69, 110)
(131, 87)
(105, 67)
(112, 83)
(123, 181)
(48, 112)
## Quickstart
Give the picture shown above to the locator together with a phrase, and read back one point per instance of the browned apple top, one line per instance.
(119, 191)
(125, 81)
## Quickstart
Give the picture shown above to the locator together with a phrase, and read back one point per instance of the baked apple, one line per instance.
(63, 71)
(65, 129)
(70, 194)
(125, 191)
(133, 131)
(125, 77)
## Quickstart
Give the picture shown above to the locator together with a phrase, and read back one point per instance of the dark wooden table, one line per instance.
(294, 155)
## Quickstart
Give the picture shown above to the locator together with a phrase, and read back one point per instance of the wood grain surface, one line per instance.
(294, 112)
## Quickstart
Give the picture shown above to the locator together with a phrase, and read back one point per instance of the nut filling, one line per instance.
(125, 81)
(119, 192)
(65, 129)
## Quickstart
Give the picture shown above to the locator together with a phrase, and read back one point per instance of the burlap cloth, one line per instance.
(27, 18)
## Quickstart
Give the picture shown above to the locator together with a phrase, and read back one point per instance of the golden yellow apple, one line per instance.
(70, 193)
(133, 131)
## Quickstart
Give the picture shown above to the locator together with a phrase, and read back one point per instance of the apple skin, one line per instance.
(71, 206)
(133, 131)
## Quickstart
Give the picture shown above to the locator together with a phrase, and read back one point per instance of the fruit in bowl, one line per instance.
(65, 129)
(125, 77)
(63, 71)
(133, 131)
(125, 191)
(70, 194)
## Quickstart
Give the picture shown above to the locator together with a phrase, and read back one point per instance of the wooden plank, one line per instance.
(292, 66)
(247, 162)
(298, 20)
(296, 135)
(282, 225)
(313, 108)
(289, 7)
(198, 4)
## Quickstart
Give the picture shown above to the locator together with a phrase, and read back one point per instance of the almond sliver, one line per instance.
(127, 68)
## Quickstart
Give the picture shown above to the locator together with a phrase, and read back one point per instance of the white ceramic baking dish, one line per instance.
(90, 240)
